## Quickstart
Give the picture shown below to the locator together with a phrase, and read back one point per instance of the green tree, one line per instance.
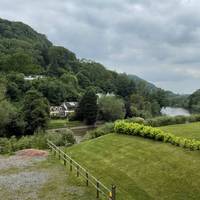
(88, 106)
(36, 111)
(111, 108)
(125, 87)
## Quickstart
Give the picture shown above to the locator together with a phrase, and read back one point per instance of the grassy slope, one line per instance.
(191, 130)
(141, 168)
(63, 123)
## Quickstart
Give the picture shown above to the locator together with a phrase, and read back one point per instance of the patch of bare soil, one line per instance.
(32, 153)
(22, 159)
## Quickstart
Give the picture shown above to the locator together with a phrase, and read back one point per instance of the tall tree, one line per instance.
(88, 106)
(36, 111)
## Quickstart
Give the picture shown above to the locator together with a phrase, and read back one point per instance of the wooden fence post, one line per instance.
(70, 165)
(77, 168)
(113, 192)
(87, 177)
(97, 189)
(65, 159)
(59, 154)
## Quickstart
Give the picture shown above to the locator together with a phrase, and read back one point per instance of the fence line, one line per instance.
(110, 194)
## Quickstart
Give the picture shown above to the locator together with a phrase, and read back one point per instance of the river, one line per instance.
(172, 111)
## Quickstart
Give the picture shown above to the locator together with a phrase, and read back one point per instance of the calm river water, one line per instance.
(171, 111)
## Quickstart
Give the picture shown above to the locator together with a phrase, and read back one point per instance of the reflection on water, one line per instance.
(170, 111)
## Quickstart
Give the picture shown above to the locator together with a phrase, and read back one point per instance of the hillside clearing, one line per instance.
(189, 130)
(141, 168)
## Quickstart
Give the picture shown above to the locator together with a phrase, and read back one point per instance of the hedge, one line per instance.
(135, 129)
(165, 120)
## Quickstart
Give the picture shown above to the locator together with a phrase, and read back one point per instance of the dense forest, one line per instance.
(24, 104)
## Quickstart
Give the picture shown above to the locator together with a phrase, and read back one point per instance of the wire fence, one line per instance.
(101, 189)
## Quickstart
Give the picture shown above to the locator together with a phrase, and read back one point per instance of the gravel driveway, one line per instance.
(19, 177)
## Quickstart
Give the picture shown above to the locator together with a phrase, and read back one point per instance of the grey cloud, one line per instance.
(157, 40)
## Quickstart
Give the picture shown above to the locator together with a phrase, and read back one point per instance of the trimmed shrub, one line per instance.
(122, 127)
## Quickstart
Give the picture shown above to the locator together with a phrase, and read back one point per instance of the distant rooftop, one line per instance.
(30, 78)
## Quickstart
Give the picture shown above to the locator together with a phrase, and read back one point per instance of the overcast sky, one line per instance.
(155, 39)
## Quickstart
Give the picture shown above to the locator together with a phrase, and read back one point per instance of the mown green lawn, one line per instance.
(190, 130)
(63, 123)
(142, 169)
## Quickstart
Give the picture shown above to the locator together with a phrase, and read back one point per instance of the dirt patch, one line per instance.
(22, 159)
(32, 153)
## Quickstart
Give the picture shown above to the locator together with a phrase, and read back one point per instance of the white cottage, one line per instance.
(63, 110)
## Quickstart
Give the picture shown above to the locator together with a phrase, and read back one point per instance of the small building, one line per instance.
(63, 110)
(99, 95)
(34, 77)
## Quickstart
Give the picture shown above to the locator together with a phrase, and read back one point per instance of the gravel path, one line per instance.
(23, 182)
(29, 182)
(18, 161)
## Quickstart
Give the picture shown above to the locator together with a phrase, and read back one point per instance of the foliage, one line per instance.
(138, 120)
(57, 90)
(194, 102)
(100, 131)
(136, 129)
(111, 108)
(38, 140)
(25, 52)
(167, 120)
(125, 86)
(36, 112)
(88, 107)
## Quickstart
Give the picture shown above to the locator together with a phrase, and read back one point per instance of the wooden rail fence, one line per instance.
(109, 194)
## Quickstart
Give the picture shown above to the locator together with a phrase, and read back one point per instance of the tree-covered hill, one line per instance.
(24, 52)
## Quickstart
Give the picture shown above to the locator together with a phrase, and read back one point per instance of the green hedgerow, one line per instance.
(135, 129)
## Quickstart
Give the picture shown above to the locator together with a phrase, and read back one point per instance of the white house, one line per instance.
(30, 78)
(63, 110)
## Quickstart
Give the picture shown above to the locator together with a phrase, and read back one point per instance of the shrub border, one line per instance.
(135, 129)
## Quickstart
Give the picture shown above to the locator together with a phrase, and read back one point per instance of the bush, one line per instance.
(138, 120)
(102, 130)
(39, 141)
(166, 120)
(111, 108)
(136, 129)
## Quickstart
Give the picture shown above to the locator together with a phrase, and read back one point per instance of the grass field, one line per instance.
(23, 179)
(63, 123)
(141, 168)
(190, 130)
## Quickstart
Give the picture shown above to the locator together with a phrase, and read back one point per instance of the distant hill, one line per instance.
(139, 81)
